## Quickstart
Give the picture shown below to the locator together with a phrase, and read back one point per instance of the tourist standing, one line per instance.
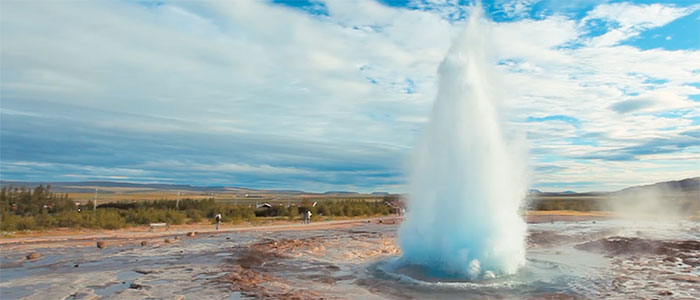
(308, 216)
(218, 221)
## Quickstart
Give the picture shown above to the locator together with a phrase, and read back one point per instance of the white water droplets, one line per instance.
(467, 182)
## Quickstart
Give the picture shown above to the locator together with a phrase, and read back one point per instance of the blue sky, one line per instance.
(332, 95)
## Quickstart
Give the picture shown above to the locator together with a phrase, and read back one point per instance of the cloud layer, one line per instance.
(332, 94)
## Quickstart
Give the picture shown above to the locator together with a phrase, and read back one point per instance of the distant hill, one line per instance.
(688, 185)
(339, 193)
(113, 186)
(116, 187)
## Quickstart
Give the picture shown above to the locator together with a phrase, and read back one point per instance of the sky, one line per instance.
(333, 94)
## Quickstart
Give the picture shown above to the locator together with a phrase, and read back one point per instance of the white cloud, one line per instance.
(631, 19)
(517, 8)
(359, 81)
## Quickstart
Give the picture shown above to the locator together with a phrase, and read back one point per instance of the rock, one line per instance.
(228, 238)
(686, 278)
(135, 286)
(88, 295)
(167, 241)
(148, 271)
(139, 286)
(101, 244)
(177, 237)
(76, 265)
(144, 243)
(665, 293)
(192, 233)
(33, 255)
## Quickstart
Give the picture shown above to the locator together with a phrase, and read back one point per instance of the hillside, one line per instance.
(688, 185)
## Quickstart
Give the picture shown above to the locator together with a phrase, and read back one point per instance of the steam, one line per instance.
(467, 183)
(661, 200)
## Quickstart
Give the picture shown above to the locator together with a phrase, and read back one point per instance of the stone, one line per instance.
(33, 255)
(686, 278)
(101, 244)
(148, 271)
(135, 286)
(86, 295)
(192, 233)
(167, 241)
(144, 243)
(139, 286)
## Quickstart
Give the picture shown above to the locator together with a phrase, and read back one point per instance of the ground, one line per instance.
(570, 256)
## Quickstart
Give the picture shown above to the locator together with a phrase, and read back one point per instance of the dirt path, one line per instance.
(141, 233)
(136, 233)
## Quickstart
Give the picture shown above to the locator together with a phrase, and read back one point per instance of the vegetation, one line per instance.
(27, 209)
(566, 204)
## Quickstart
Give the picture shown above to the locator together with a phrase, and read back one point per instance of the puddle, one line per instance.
(128, 275)
(17, 292)
(237, 296)
(104, 291)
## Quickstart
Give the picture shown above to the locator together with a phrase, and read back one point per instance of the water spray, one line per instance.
(467, 183)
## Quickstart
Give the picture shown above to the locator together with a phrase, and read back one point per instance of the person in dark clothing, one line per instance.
(218, 221)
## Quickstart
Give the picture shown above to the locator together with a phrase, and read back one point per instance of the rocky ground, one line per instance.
(579, 259)
(204, 265)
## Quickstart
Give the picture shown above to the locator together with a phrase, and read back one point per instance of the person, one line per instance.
(308, 216)
(218, 221)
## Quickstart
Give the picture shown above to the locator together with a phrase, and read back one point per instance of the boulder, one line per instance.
(192, 233)
(101, 244)
(144, 243)
(33, 255)
(167, 241)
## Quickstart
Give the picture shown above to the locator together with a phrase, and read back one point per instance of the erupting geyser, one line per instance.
(467, 182)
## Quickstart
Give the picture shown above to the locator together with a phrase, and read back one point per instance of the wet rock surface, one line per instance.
(632, 245)
(656, 267)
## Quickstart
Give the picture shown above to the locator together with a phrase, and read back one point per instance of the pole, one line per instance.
(177, 202)
(94, 203)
